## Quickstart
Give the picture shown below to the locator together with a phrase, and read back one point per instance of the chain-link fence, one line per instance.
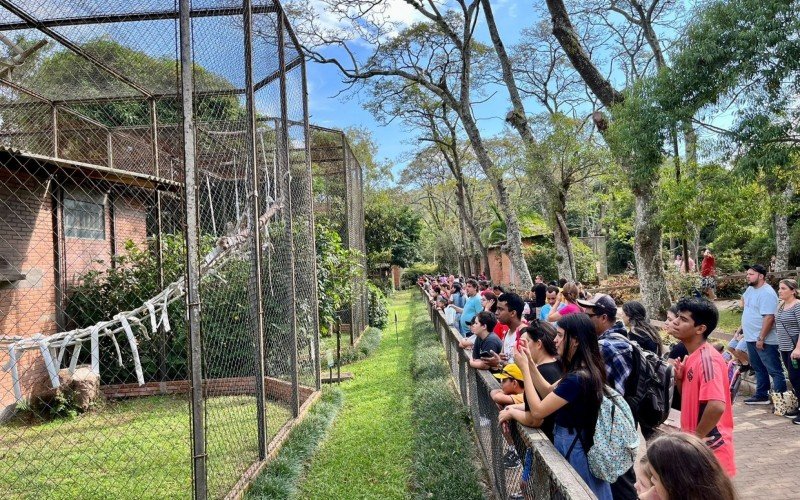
(339, 202)
(521, 461)
(158, 301)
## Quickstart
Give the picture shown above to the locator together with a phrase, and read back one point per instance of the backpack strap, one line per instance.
(572, 446)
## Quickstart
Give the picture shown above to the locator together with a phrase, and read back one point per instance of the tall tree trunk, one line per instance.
(565, 261)
(647, 251)
(513, 233)
(781, 219)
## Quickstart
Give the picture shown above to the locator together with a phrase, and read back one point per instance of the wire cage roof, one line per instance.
(107, 72)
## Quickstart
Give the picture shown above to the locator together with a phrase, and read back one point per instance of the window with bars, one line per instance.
(84, 219)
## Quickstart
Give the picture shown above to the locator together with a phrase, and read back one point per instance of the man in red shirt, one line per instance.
(702, 379)
(708, 271)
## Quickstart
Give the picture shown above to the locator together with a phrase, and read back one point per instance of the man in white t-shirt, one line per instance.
(760, 304)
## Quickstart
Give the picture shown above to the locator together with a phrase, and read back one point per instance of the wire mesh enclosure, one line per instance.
(157, 267)
(339, 202)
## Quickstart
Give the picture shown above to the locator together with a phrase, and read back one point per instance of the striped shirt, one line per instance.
(787, 324)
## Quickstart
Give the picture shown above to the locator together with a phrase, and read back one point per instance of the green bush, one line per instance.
(541, 259)
(378, 307)
(412, 274)
(729, 261)
(338, 269)
(226, 323)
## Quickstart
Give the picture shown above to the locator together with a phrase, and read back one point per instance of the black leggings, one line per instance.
(794, 373)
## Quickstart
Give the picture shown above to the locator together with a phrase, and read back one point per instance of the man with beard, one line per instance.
(758, 325)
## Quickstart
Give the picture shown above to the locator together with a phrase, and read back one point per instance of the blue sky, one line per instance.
(330, 110)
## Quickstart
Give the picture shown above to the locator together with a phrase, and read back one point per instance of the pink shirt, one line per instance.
(705, 378)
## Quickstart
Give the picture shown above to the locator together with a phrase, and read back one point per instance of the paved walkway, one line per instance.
(767, 448)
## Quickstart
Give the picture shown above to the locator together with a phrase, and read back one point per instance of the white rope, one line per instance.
(137, 365)
(226, 247)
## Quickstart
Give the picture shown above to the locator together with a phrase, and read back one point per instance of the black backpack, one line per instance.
(649, 387)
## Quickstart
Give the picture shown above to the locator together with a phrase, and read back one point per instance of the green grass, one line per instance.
(444, 451)
(135, 448)
(368, 453)
(279, 478)
(729, 320)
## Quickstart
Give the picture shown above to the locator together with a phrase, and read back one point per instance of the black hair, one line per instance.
(498, 287)
(487, 319)
(472, 282)
(637, 316)
(703, 311)
(514, 302)
(544, 331)
(562, 282)
(586, 361)
(552, 289)
(457, 287)
(673, 309)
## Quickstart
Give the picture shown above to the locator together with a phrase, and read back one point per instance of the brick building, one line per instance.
(58, 220)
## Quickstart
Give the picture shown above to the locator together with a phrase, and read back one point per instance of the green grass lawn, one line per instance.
(729, 320)
(136, 448)
(368, 451)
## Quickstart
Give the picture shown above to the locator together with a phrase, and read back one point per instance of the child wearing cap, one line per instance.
(511, 386)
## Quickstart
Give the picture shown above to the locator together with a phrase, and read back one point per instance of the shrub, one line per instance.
(412, 274)
(338, 268)
(227, 339)
(541, 259)
(378, 307)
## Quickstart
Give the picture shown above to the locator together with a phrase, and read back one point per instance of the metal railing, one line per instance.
(551, 476)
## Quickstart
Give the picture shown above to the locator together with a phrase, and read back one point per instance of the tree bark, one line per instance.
(565, 261)
(647, 252)
(781, 219)
(647, 233)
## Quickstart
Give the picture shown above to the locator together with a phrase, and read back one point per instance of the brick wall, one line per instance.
(28, 307)
(500, 268)
(275, 388)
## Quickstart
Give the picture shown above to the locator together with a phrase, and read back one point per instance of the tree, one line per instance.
(392, 233)
(438, 55)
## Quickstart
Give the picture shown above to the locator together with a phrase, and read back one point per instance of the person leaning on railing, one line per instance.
(575, 399)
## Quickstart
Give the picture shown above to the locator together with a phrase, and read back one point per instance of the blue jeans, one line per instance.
(766, 363)
(563, 439)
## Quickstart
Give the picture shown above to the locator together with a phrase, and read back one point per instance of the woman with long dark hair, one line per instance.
(683, 467)
(634, 315)
(575, 399)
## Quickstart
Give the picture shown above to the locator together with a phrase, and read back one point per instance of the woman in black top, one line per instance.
(634, 315)
(540, 340)
(575, 399)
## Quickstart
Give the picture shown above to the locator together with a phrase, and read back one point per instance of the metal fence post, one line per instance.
(192, 252)
(314, 297)
(256, 295)
(162, 339)
(284, 157)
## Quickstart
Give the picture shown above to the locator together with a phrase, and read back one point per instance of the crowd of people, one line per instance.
(560, 353)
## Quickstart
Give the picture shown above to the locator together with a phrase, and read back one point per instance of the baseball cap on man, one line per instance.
(511, 370)
(602, 304)
(758, 268)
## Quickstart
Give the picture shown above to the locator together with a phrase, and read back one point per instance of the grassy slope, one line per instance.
(368, 451)
(137, 448)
